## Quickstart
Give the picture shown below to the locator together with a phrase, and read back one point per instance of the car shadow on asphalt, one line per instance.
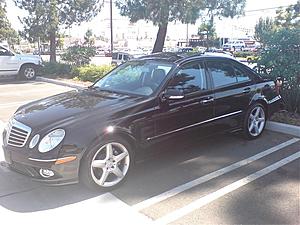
(145, 179)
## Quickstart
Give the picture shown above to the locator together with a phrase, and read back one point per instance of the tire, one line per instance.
(109, 171)
(28, 72)
(255, 121)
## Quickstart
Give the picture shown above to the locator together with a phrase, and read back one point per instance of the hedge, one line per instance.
(91, 73)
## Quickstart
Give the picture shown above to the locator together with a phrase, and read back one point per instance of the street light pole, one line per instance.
(187, 34)
(111, 29)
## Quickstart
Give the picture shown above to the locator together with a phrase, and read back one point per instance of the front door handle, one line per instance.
(206, 101)
(246, 90)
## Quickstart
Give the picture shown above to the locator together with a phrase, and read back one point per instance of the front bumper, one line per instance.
(66, 173)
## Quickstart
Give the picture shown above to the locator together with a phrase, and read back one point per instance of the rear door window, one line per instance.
(222, 73)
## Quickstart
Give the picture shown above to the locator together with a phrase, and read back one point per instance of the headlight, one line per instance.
(51, 140)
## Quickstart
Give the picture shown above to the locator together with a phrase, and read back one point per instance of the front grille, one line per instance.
(17, 133)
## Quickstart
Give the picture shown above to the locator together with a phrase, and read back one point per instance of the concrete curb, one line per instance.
(283, 128)
(62, 83)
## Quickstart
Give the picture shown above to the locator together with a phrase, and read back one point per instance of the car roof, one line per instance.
(180, 58)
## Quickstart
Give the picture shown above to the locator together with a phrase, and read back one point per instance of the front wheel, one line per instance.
(28, 72)
(255, 121)
(107, 166)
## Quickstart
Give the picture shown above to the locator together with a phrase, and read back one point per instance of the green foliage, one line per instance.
(289, 17)
(263, 28)
(224, 8)
(207, 29)
(55, 69)
(160, 12)
(89, 40)
(91, 73)
(282, 58)
(243, 54)
(45, 17)
(7, 33)
(79, 55)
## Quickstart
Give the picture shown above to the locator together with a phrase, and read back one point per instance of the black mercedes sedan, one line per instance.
(93, 135)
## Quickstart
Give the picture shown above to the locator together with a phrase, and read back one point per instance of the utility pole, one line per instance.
(187, 35)
(111, 29)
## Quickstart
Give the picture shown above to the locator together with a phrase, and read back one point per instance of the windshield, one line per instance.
(136, 77)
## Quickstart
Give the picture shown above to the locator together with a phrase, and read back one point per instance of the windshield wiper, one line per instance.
(102, 89)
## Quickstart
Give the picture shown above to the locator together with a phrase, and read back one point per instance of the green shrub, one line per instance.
(55, 69)
(243, 54)
(282, 59)
(79, 55)
(91, 73)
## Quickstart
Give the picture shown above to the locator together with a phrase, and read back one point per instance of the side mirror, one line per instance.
(173, 94)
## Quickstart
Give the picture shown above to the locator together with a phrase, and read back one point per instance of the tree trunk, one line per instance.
(160, 38)
(52, 47)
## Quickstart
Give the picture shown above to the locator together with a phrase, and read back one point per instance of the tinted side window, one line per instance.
(241, 76)
(126, 57)
(3, 52)
(120, 56)
(115, 56)
(222, 73)
(190, 78)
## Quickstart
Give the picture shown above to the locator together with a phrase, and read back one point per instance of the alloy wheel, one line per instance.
(110, 164)
(29, 73)
(256, 121)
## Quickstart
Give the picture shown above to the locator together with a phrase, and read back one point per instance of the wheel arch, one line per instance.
(118, 132)
(27, 64)
(260, 99)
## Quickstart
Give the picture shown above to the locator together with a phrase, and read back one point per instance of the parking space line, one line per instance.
(22, 92)
(11, 104)
(205, 178)
(2, 124)
(177, 214)
(101, 209)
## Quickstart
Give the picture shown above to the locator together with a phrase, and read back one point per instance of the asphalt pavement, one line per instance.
(218, 180)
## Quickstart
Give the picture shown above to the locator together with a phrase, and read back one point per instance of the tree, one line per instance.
(89, 39)
(289, 17)
(208, 29)
(7, 33)
(263, 28)
(281, 57)
(79, 55)
(46, 17)
(161, 12)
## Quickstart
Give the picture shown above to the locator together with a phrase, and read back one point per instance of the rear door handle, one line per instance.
(246, 90)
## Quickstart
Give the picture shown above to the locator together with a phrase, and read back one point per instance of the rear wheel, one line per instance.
(255, 121)
(28, 72)
(107, 166)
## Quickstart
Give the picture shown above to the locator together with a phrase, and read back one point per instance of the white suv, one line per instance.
(234, 45)
(16, 64)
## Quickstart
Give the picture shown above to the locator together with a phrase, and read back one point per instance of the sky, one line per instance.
(225, 27)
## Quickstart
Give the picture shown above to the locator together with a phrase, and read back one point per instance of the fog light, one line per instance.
(46, 173)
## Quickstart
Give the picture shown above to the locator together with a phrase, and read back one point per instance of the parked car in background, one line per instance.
(119, 58)
(234, 45)
(100, 52)
(12, 64)
(94, 134)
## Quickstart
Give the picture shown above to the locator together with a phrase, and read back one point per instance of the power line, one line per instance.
(258, 10)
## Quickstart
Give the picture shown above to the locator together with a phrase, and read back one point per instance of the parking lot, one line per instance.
(218, 180)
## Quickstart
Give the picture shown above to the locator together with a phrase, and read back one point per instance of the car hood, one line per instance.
(37, 57)
(72, 106)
